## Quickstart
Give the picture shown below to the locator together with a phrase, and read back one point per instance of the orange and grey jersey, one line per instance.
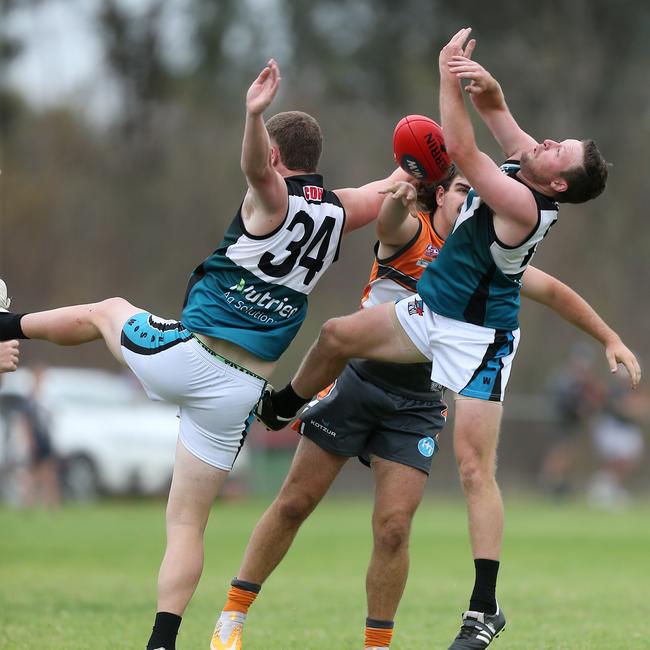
(395, 277)
(253, 289)
(392, 279)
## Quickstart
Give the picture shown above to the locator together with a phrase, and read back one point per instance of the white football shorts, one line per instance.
(471, 360)
(216, 397)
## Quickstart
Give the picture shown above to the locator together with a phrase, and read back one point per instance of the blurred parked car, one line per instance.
(108, 436)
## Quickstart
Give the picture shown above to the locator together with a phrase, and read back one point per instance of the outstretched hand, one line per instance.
(263, 89)
(480, 80)
(404, 192)
(456, 47)
(618, 353)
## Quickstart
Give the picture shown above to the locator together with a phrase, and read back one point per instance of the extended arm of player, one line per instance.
(395, 227)
(266, 200)
(9, 352)
(563, 300)
(362, 204)
(488, 99)
(513, 204)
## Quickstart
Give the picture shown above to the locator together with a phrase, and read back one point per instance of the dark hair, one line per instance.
(427, 191)
(299, 139)
(586, 181)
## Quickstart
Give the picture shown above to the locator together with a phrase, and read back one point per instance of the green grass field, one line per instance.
(84, 578)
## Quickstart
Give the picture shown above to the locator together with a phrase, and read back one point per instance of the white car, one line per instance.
(109, 437)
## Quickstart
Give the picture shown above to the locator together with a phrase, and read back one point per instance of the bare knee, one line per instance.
(110, 307)
(294, 508)
(109, 316)
(183, 522)
(333, 338)
(391, 534)
(476, 471)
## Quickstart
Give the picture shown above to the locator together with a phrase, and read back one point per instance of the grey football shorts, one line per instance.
(354, 417)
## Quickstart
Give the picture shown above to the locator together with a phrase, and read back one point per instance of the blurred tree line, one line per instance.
(130, 208)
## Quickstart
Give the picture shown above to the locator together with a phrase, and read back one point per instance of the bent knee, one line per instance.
(111, 305)
(393, 533)
(113, 311)
(294, 509)
(333, 337)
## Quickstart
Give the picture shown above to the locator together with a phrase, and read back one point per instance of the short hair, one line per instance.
(427, 191)
(299, 139)
(586, 181)
(451, 174)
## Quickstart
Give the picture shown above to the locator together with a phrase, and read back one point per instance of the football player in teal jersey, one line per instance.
(243, 306)
(465, 320)
(388, 414)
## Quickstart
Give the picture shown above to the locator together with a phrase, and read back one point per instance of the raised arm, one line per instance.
(396, 226)
(266, 200)
(490, 103)
(512, 202)
(362, 204)
(563, 300)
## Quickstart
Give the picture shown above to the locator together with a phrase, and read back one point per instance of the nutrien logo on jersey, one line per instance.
(261, 306)
(313, 193)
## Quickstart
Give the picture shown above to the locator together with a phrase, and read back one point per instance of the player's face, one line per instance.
(547, 160)
(456, 194)
(451, 201)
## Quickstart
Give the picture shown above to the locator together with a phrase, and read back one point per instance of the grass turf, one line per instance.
(83, 578)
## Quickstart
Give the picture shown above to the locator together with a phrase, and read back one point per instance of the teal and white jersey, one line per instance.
(253, 290)
(476, 278)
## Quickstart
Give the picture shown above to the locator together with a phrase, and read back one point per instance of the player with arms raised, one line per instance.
(243, 307)
(465, 320)
(387, 414)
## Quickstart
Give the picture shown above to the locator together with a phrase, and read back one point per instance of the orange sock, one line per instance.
(378, 633)
(239, 600)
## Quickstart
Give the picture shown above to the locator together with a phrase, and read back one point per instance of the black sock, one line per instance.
(286, 401)
(381, 625)
(483, 598)
(164, 632)
(248, 586)
(10, 326)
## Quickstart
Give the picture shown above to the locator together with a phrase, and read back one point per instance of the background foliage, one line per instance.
(130, 205)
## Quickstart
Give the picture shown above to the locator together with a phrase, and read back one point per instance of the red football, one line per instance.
(419, 148)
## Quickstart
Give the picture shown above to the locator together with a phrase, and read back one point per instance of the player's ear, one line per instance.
(559, 184)
(440, 196)
(275, 155)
